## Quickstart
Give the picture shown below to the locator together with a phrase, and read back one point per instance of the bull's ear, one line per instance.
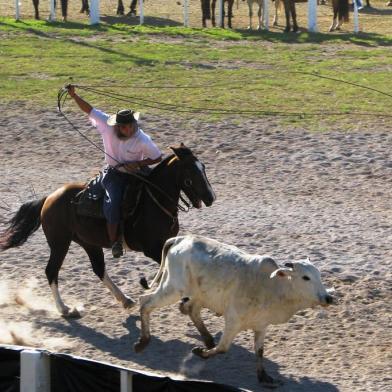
(281, 273)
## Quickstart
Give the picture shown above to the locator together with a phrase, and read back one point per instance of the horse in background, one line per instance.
(340, 13)
(208, 12)
(64, 9)
(120, 8)
(259, 13)
(85, 8)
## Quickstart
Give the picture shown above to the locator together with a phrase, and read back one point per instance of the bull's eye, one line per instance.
(305, 277)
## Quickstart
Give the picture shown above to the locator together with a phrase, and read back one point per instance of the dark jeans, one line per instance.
(114, 182)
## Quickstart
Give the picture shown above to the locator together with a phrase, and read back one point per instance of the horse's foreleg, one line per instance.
(293, 15)
(230, 12)
(36, 10)
(97, 260)
(277, 4)
(120, 8)
(250, 5)
(261, 19)
(287, 13)
(335, 19)
(213, 5)
(133, 8)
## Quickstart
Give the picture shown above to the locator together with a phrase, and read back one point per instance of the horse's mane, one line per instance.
(158, 168)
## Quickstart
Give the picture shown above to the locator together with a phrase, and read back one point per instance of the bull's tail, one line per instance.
(25, 222)
(165, 250)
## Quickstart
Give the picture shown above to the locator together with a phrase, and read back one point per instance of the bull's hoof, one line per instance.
(128, 303)
(141, 344)
(72, 313)
(200, 352)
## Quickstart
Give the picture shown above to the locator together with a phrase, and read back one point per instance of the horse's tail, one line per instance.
(343, 10)
(24, 223)
(165, 250)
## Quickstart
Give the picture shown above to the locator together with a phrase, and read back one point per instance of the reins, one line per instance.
(61, 98)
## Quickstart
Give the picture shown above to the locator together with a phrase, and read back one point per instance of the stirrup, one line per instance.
(117, 249)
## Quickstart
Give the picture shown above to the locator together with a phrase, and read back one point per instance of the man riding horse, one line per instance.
(127, 150)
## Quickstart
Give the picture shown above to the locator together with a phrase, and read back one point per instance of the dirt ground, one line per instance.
(283, 192)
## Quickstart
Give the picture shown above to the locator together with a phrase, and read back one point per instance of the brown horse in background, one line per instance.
(208, 12)
(145, 230)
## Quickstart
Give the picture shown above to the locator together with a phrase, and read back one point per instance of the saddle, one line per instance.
(89, 201)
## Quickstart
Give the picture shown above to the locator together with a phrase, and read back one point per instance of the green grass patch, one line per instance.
(210, 69)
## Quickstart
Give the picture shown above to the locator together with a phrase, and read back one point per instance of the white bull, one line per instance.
(250, 291)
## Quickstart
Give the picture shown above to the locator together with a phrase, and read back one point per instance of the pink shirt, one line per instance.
(136, 148)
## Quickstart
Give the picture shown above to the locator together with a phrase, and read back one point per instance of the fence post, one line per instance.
(220, 13)
(126, 381)
(17, 10)
(52, 15)
(94, 12)
(34, 371)
(141, 12)
(186, 13)
(356, 21)
(266, 14)
(312, 16)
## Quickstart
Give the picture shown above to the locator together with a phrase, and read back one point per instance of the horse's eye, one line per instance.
(305, 277)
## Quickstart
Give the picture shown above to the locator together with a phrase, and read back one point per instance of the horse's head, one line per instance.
(192, 177)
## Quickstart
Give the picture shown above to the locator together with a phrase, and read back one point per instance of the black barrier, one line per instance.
(9, 369)
(68, 374)
(72, 374)
(143, 383)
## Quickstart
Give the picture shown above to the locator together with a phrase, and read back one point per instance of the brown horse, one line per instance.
(153, 223)
(340, 13)
(208, 12)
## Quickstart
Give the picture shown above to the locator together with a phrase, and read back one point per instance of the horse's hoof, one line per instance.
(141, 344)
(128, 303)
(275, 24)
(200, 352)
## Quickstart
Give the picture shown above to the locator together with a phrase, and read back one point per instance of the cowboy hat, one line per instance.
(123, 117)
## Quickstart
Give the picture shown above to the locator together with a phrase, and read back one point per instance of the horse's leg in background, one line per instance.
(205, 12)
(120, 8)
(293, 15)
(287, 13)
(85, 7)
(261, 19)
(64, 9)
(97, 260)
(343, 12)
(277, 6)
(335, 15)
(230, 4)
(36, 9)
(213, 5)
(250, 6)
(133, 8)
